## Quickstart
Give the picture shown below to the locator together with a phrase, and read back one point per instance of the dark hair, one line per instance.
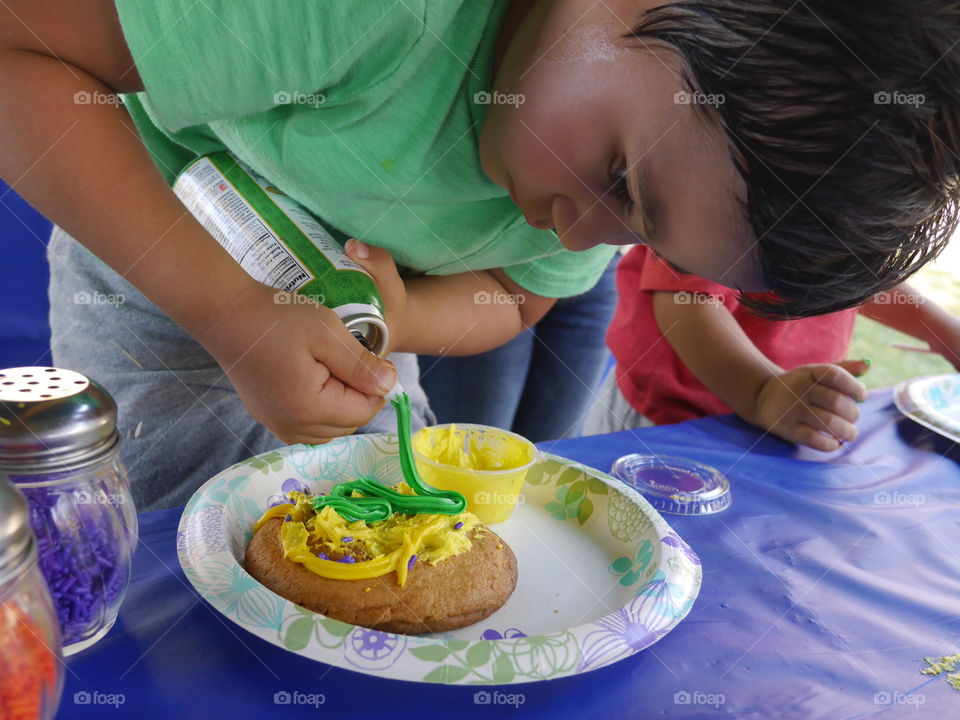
(844, 121)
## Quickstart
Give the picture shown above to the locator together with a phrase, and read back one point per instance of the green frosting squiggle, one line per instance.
(379, 501)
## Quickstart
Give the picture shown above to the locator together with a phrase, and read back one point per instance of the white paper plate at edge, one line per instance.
(933, 401)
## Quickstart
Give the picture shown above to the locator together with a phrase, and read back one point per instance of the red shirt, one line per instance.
(652, 376)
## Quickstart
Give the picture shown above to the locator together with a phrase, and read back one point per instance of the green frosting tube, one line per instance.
(379, 501)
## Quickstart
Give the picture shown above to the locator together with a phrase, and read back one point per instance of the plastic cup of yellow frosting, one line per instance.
(486, 464)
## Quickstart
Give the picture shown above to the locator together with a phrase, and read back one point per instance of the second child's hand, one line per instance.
(812, 405)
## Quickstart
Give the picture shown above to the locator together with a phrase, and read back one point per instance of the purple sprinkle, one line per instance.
(458, 526)
(347, 539)
(287, 518)
(413, 559)
(347, 559)
(323, 556)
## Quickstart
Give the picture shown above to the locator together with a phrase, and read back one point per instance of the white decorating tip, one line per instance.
(392, 395)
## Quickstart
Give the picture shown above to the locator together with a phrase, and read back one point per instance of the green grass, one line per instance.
(941, 283)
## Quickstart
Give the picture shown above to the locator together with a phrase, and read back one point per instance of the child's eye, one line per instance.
(618, 184)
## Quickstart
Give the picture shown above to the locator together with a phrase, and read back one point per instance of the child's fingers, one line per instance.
(821, 419)
(833, 401)
(318, 417)
(803, 434)
(356, 367)
(379, 263)
(840, 380)
(319, 408)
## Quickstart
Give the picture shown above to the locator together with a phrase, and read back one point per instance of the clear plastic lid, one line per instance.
(675, 485)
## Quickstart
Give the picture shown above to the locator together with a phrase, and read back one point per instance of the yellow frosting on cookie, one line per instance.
(375, 549)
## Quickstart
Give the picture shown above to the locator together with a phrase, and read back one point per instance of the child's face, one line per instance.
(591, 106)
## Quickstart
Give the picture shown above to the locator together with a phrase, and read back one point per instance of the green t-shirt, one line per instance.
(363, 112)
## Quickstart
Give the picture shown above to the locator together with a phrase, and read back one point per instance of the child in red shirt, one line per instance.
(686, 348)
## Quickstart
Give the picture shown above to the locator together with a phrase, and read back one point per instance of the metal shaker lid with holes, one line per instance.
(53, 420)
(16, 539)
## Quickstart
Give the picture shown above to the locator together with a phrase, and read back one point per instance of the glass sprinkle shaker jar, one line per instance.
(30, 658)
(60, 447)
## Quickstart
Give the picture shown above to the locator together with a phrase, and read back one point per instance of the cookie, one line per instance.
(454, 593)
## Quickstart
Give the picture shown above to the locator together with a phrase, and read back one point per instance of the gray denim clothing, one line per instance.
(611, 411)
(180, 420)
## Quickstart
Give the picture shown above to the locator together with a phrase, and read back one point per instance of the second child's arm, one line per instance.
(909, 311)
(460, 314)
(797, 405)
(468, 313)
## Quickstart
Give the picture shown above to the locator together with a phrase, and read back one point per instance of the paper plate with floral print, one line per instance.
(601, 574)
(932, 401)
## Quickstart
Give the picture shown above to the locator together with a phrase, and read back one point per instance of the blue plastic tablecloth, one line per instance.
(24, 328)
(824, 586)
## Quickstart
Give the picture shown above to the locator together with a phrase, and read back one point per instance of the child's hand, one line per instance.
(296, 367)
(380, 265)
(798, 405)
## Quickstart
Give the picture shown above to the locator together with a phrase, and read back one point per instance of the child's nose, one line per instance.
(590, 221)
